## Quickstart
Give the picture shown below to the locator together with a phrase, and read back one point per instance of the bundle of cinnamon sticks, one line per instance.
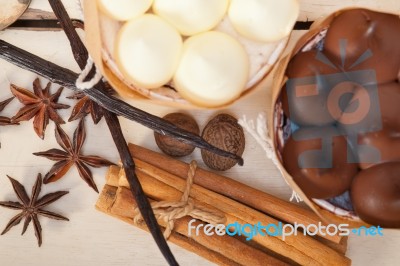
(164, 179)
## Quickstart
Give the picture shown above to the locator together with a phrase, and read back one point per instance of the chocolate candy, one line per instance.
(378, 147)
(389, 100)
(306, 92)
(306, 64)
(379, 108)
(316, 159)
(369, 39)
(377, 135)
(375, 194)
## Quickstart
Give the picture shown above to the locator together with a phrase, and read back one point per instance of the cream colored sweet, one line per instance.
(213, 70)
(147, 63)
(124, 9)
(147, 51)
(264, 20)
(191, 16)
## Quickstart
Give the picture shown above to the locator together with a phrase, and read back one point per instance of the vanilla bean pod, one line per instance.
(67, 78)
(81, 56)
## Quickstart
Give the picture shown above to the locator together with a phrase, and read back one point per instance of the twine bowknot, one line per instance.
(169, 211)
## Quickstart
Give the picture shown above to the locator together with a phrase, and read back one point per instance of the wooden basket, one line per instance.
(94, 21)
(328, 212)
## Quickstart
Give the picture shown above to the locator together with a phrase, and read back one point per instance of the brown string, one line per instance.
(170, 211)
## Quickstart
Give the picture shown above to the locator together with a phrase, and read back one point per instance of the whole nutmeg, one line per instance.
(224, 132)
(174, 147)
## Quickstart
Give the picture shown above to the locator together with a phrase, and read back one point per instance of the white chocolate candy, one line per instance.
(124, 9)
(147, 51)
(264, 20)
(213, 71)
(191, 16)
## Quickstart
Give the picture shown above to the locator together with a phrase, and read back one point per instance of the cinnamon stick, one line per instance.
(112, 175)
(339, 247)
(153, 188)
(228, 246)
(301, 249)
(105, 202)
(242, 193)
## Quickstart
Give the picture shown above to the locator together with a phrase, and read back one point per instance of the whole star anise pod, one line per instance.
(41, 104)
(86, 106)
(32, 207)
(71, 155)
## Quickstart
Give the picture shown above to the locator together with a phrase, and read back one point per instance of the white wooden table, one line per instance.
(92, 238)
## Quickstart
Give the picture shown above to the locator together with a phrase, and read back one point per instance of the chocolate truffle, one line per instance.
(316, 159)
(370, 41)
(376, 136)
(389, 101)
(306, 92)
(308, 64)
(372, 108)
(378, 147)
(375, 194)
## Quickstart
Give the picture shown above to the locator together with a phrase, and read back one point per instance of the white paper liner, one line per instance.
(336, 210)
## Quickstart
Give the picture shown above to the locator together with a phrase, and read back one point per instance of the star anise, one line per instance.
(41, 104)
(4, 121)
(71, 155)
(32, 207)
(86, 106)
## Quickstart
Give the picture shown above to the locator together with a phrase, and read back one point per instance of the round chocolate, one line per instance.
(389, 101)
(371, 109)
(365, 40)
(378, 147)
(307, 64)
(306, 92)
(375, 194)
(316, 159)
(377, 132)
